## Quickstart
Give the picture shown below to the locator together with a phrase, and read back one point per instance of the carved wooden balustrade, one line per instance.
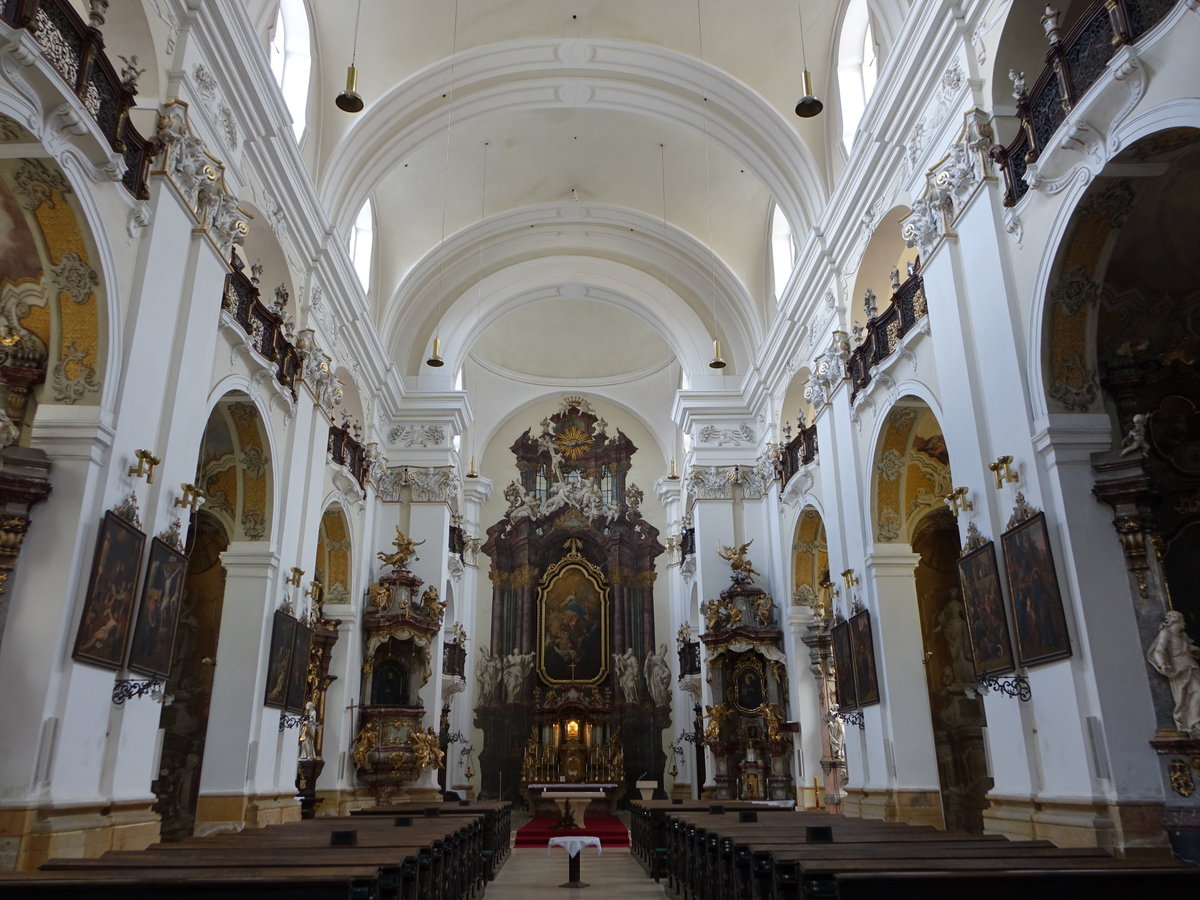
(262, 325)
(456, 540)
(687, 543)
(346, 450)
(76, 51)
(1073, 64)
(454, 660)
(799, 451)
(884, 331)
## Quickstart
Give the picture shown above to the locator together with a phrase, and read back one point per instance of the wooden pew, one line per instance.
(333, 858)
(783, 858)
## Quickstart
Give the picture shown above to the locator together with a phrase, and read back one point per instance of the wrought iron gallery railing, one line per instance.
(76, 51)
(884, 331)
(262, 325)
(1074, 63)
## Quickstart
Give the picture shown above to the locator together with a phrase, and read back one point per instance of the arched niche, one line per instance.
(262, 248)
(910, 470)
(351, 405)
(1120, 335)
(53, 307)
(335, 556)
(796, 406)
(810, 559)
(885, 252)
(235, 469)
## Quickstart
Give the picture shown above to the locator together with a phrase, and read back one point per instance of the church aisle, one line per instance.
(530, 873)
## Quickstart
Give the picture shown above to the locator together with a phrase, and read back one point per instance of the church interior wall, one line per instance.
(1066, 764)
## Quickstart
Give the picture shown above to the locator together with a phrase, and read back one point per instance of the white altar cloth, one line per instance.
(573, 844)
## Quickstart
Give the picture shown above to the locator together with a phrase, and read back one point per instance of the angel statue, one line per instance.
(774, 716)
(405, 550)
(426, 752)
(716, 715)
(737, 557)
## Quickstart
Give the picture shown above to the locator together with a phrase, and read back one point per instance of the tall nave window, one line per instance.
(858, 67)
(291, 60)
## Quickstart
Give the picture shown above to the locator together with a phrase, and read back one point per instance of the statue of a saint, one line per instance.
(1174, 656)
(308, 731)
(406, 549)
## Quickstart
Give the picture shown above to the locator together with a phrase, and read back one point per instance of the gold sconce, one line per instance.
(294, 578)
(192, 496)
(674, 476)
(849, 578)
(1001, 471)
(146, 463)
(958, 502)
(472, 472)
(316, 590)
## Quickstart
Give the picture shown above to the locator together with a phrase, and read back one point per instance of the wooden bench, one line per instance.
(818, 855)
(331, 858)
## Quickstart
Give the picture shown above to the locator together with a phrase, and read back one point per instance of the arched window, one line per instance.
(783, 251)
(857, 67)
(291, 60)
(362, 240)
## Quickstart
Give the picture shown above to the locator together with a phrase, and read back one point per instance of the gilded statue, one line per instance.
(431, 603)
(380, 595)
(774, 716)
(737, 557)
(426, 750)
(763, 604)
(716, 715)
(406, 549)
(364, 744)
(712, 614)
(735, 614)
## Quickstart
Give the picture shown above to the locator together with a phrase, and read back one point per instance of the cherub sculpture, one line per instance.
(405, 550)
(426, 751)
(774, 716)
(737, 557)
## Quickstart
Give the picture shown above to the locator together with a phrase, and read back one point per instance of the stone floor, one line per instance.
(530, 873)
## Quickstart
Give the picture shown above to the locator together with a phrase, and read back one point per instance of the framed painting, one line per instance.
(104, 626)
(298, 670)
(749, 691)
(154, 627)
(283, 631)
(843, 667)
(987, 623)
(862, 648)
(1039, 622)
(572, 631)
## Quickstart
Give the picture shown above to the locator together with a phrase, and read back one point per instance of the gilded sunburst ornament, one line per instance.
(573, 442)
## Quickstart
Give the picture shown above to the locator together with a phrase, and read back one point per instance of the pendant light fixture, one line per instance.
(349, 100)
(662, 168)
(808, 105)
(716, 362)
(472, 472)
(435, 360)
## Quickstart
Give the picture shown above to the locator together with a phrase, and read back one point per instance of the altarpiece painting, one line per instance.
(862, 647)
(573, 624)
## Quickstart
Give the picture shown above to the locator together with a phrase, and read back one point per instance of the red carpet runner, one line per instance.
(609, 829)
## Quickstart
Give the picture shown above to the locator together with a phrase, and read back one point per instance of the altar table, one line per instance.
(576, 801)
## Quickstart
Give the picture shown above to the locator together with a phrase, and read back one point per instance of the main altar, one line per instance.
(572, 694)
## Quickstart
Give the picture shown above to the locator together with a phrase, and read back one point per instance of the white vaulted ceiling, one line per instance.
(591, 111)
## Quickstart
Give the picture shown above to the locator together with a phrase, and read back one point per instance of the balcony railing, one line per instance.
(263, 326)
(799, 451)
(1073, 64)
(346, 450)
(884, 331)
(76, 51)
